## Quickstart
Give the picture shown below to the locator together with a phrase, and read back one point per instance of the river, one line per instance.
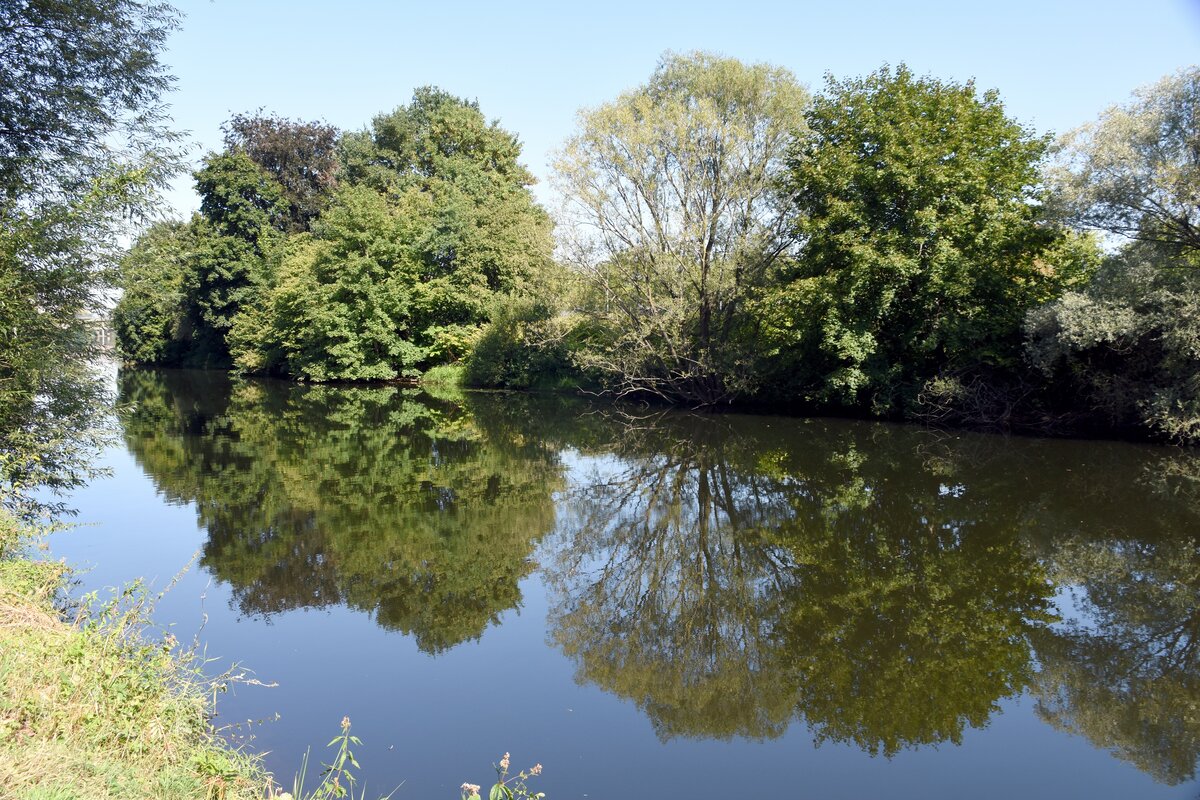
(660, 604)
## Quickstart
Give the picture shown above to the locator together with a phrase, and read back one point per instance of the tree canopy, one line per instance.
(1135, 172)
(669, 212)
(82, 150)
(916, 203)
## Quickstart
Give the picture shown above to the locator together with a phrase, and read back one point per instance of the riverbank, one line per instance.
(92, 706)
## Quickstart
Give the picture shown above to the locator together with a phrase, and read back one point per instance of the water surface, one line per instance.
(665, 604)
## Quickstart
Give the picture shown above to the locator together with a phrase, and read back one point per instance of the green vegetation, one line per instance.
(98, 708)
(894, 246)
(1128, 344)
(82, 148)
(386, 257)
(923, 243)
(670, 218)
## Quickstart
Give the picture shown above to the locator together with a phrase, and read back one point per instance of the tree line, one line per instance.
(895, 245)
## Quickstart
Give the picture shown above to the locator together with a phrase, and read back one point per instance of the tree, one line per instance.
(670, 213)
(1124, 351)
(917, 206)
(433, 222)
(76, 80)
(300, 156)
(151, 320)
(461, 178)
(342, 303)
(1136, 171)
(82, 149)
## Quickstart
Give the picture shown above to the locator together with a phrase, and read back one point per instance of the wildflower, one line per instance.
(470, 789)
(345, 723)
(536, 769)
(504, 763)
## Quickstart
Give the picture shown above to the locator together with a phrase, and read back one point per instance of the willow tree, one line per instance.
(83, 146)
(670, 213)
(1135, 172)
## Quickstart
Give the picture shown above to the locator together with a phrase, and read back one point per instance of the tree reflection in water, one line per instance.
(401, 504)
(885, 586)
(730, 582)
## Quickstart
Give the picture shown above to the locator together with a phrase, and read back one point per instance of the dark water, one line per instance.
(666, 606)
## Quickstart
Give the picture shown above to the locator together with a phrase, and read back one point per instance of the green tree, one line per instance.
(82, 149)
(242, 215)
(670, 213)
(300, 156)
(342, 304)
(917, 206)
(1136, 171)
(433, 226)
(1124, 350)
(151, 320)
(459, 177)
(183, 291)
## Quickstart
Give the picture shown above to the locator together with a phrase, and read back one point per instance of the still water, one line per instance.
(664, 605)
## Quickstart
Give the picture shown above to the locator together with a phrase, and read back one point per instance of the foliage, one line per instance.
(670, 213)
(102, 708)
(523, 346)
(82, 149)
(337, 777)
(1126, 348)
(507, 787)
(380, 276)
(79, 80)
(916, 204)
(300, 156)
(342, 304)
(151, 319)
(1136, 171)
(476, 226)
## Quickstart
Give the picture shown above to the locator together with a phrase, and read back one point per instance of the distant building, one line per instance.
(100, 330)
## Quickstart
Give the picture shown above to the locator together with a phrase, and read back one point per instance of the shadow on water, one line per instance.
(885, 586)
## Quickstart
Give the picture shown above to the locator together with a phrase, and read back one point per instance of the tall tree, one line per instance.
(917, 206)
(300, 156)
(670, 212)
(82, 148)
(432, 223)
(1136, 171)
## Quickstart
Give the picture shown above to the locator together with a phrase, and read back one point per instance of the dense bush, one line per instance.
(523, 346)
(1127, 347)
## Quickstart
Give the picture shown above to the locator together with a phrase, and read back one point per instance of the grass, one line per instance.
(92, 707)
(444, 375)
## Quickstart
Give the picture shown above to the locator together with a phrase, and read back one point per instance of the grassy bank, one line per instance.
(91, 706)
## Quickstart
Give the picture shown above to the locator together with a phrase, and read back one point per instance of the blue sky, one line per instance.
(533, 65)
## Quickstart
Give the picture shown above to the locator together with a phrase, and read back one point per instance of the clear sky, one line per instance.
(532, 65)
